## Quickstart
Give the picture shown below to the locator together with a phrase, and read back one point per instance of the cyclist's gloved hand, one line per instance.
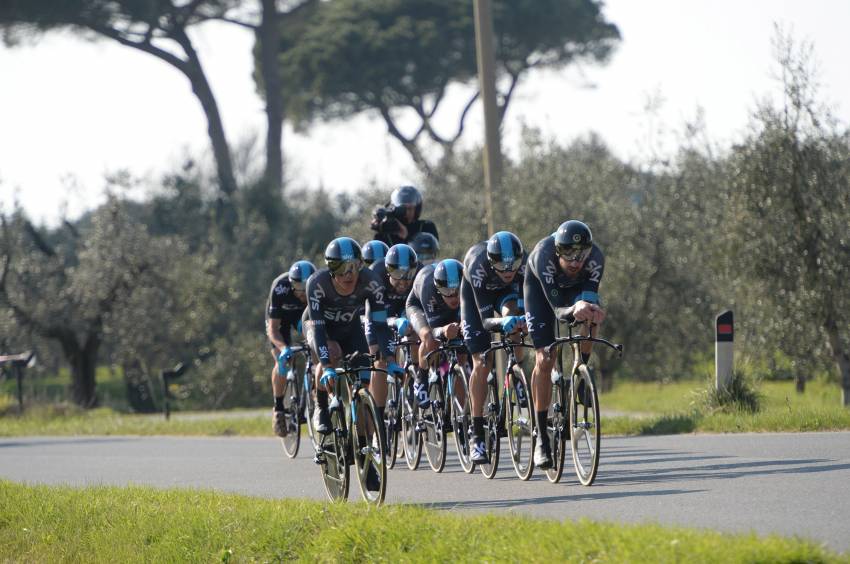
(328, 374)
(510, 322)
(402, 326)
(394, 368)
(282, 358)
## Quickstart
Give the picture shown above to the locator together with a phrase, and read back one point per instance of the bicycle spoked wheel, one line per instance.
(585, 426)
(369, 449)
(520, 423)
(492, 442)
(410, 437)
(461, 417)
(336, 452)
(392, 420)
(434, 437)
(292, 408)
(557, 429)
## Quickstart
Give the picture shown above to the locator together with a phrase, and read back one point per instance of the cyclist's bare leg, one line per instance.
(541, 379)
(460, 391)
(377, 386)
(478, 383)
(277, 379)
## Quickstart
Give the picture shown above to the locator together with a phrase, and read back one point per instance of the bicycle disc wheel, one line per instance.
(557, 429)
(291, 405)
(392, 420)
(434, 437)
(585, 426)
(461, 417)
(520, 418)
(492, 442)
(336, 452)
(370, 459)
(410, 437)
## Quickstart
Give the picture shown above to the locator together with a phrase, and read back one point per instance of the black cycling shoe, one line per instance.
(373, 481)
(542, 456)
(322, 421)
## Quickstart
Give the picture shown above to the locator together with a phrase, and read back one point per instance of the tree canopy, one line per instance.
(349, 56)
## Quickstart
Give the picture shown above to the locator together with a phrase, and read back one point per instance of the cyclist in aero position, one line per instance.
(561, 284)
(396, 272)
(433, 308)
(332, 324)
(374, 250)
(491, 288)
(284, 307)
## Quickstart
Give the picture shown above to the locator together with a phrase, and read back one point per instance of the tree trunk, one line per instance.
(269, 32)
(842, 359)
(215, 127)
(800, 381)
(82, 361)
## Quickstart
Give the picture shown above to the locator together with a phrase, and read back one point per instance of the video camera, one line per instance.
(387, 219)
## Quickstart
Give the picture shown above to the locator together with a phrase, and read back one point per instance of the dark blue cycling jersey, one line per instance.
(396, 301)
(482, 295)
(338, 317)
(425, 305)
(282, 304)
(549, 292)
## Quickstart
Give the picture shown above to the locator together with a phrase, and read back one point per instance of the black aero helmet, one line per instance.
(374, 250)
(401, 262)
(573, 240)
(427, 247)
(343, 255)
(299, 272)
(447, 276)
(504, 250)
(407, 196)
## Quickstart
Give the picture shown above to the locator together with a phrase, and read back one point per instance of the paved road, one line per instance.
(789, 484)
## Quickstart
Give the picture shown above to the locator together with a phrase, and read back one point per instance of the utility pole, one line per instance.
(487, 85)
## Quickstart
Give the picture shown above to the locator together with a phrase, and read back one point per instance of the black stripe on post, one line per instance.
(724, 327)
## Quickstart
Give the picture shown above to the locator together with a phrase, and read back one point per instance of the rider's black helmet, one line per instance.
(427, 247)
(407, 196)
(573, 240)
(343, 254)
(401, 262)
(504, 250)
(299, 272)
(447, 276)
(374, 250)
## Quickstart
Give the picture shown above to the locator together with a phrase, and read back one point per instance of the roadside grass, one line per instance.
(642, 409)
(677, 407)
(136, 524)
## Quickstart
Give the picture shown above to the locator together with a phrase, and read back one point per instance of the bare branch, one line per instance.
(240, 23)
(408, 144)
(506, 98)
(145, 46)
(38, 239)
(462, 122)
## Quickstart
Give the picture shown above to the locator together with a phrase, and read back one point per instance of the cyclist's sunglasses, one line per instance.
(343, 267)
(573, 254)
(448, 292)
(402, 273)
(298, 286)
(507, 266)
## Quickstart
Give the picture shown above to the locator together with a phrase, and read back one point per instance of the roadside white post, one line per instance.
(723, 341)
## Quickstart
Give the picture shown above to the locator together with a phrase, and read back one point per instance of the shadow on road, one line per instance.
(587, 494)
(36, 442)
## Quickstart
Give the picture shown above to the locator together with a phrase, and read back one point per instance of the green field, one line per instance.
(634, 408)
(107, 524)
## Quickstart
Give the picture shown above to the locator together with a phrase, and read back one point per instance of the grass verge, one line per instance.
(108, 524)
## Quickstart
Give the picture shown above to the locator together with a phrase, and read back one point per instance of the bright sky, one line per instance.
(72, 111)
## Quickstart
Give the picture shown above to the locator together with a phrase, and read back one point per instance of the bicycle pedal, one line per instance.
(556, 407)
(319, 460)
